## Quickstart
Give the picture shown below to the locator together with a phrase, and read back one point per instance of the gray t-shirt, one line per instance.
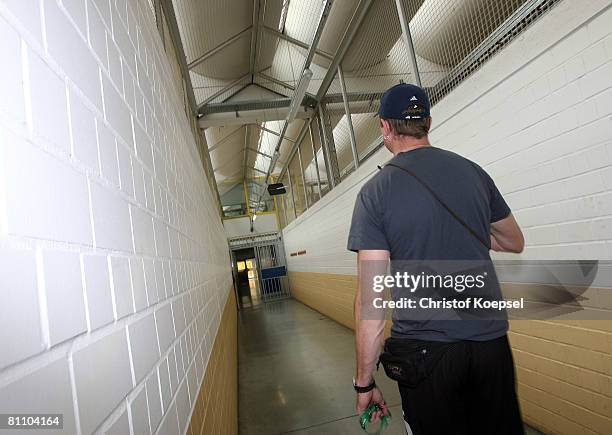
(394, 212)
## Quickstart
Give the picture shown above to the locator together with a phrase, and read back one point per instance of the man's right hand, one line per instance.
(366, 399)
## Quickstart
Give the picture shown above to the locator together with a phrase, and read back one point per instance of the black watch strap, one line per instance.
(364, 389)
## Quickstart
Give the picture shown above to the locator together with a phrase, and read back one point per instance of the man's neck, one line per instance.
(408, 144)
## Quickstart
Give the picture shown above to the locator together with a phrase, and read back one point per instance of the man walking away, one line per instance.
(432, 204)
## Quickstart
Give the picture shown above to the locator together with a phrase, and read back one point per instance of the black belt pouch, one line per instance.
(409, 361)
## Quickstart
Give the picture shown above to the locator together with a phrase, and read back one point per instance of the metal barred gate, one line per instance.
(272, 279)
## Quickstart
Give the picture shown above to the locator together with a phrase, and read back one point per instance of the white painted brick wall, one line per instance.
(139, 412)
(20, 308)
(52, 386)
(98, 290)
(109, 237)
(63, 289)
(538, 118)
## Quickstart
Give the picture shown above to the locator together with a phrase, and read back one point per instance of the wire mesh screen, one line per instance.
(233, 200)
(280, 211)
(297, 185)
(507, 19)
(451, 39)
(260, 200)
(286, 202)
(318, 165)
(444, 32)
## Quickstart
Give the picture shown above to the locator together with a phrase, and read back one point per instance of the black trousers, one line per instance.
(469, 388)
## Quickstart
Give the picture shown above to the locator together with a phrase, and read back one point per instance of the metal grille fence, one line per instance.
(506, 19)
(273, 279)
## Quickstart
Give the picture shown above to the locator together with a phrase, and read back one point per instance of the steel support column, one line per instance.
(159, 21)
(284, 200)
(291, 189)
(347, 113)
(405, 23)
(324, 150)
(329, 147)
(299, 154)
(316, 162)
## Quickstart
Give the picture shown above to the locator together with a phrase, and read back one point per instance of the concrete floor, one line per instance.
(295, 372)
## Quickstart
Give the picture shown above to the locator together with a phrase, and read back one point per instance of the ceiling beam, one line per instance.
(297, 42)
(222, 141)
(276, 103)
(275, 133)
(275, 81)
(261, 153)
(255, 36)
(219, 47)
(236, 92)
(250, 117)
(239, 106)
(221, 91)
(266, 88)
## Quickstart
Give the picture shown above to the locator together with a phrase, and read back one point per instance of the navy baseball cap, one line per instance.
(404, 101)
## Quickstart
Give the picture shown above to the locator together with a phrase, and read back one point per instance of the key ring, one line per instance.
(364, 419)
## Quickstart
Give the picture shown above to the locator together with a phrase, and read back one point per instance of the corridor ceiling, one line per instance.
(245, 58)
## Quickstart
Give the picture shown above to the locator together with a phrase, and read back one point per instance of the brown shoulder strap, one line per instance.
(435, 195)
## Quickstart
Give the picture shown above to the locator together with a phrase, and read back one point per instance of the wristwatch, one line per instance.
(364, 389)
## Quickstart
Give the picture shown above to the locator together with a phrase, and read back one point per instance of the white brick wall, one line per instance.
(111, 249)
(538, 118)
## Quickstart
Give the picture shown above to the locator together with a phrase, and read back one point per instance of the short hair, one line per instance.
(417, 128)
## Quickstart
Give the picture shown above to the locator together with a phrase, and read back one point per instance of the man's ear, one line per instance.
(386, 127)
(429, 123)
